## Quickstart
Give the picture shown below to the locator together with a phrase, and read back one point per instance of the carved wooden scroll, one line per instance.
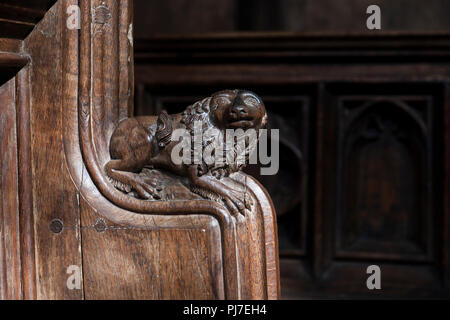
(184, 244)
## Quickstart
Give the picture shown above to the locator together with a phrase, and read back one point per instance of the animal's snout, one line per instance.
(239, 111)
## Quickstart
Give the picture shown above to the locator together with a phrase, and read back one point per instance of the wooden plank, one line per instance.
(54, 195)
(150, 262)
(10, 265)
(25, 185)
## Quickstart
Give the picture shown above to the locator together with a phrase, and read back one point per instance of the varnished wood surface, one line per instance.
(235, 286)
(151, 262)
(10, 45)
(25, 180)
(54, 195)
(63, 107)
(10, 265)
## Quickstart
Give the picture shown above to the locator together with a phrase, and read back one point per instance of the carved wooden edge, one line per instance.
(24, 286)
(81, 124)
(269, 216)
(26, 217)
(89, 119)
(83, 162)
(10, 263)
(270, 237)
(90, 159)
(107, 190)
(13, 60)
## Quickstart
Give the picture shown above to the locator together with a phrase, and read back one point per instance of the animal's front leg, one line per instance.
(118, 170)
(236, 201)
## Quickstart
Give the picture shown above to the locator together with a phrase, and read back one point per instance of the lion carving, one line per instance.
(147, 142)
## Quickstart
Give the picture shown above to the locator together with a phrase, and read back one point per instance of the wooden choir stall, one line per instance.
(94, 210)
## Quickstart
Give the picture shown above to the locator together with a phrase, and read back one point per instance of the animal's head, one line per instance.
(229, 109)
(237, 109)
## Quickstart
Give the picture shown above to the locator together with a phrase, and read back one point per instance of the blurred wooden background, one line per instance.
(365, 141)
(204, 16)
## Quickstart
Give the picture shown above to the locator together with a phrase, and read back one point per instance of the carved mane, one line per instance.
(201, 111)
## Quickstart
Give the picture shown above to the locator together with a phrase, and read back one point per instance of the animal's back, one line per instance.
(133, 138)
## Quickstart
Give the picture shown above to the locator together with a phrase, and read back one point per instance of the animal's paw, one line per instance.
(238, 202)
(147, 189)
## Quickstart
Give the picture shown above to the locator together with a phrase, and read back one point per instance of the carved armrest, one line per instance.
(149, 228)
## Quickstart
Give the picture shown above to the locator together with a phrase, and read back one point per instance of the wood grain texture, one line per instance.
(25, 180)
(60, 211)
(150, 262)
(10, 45)
(16, 92)
(10, 262)
(93, 114)
(54, 195)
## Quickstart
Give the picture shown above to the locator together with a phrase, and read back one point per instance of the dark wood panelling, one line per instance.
(10, 63)
(381, 195)
(292, 48)
(19, 17)
(367, 114)
(291, 114)
(203, 16)
(385, 160)
(350, 15)
(183, 16)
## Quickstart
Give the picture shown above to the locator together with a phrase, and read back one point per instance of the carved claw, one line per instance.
(145, 190)
(237, 203)
(248, 202)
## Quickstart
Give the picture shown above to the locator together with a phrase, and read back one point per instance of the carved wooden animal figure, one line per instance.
(147, 142)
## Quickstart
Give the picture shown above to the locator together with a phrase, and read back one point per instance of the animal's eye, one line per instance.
(251, 101)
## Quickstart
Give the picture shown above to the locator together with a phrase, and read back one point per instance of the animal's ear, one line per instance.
(264, 120)
(164, 129)
(206, 104)
(212, 108)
